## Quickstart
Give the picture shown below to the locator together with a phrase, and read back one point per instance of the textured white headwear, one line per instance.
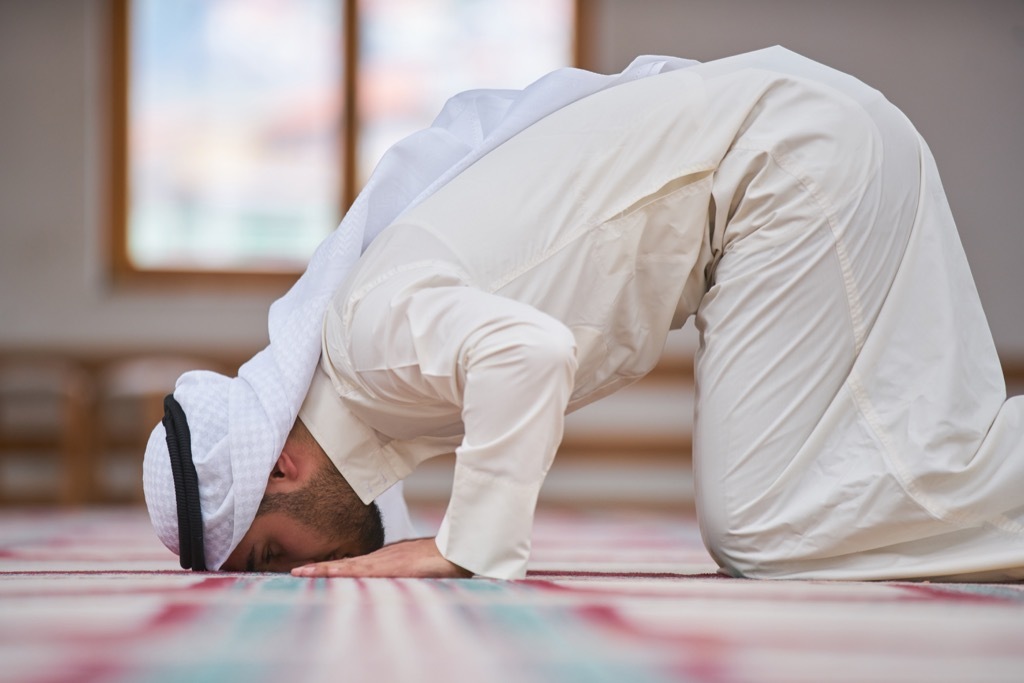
(238, 425)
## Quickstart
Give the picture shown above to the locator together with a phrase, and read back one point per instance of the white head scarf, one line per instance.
(238, 425)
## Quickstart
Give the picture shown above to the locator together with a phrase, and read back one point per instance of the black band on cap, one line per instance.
(186, 487)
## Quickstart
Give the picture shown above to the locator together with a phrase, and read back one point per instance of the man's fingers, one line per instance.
(364, 566)
(415, 558)
(313, 570)
(332, 568)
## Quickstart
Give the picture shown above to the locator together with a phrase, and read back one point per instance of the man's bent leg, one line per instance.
(850, 419)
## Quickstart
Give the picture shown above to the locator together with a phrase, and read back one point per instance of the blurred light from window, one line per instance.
(234, 132)
(235, 111)
(415, 54)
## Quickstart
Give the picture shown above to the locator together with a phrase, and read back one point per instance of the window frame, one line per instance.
(122, 270)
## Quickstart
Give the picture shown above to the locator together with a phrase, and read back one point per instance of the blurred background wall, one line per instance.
(956, 68)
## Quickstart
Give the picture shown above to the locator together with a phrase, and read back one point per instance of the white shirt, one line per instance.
(541, 278)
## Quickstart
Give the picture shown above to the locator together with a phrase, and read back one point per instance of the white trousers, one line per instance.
(851, 418)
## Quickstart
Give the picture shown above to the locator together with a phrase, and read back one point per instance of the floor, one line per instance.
(613, 595)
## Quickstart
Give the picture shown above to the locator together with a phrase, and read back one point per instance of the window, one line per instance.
(242, 128)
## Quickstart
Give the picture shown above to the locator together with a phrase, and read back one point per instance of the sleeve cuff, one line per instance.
(488, 524)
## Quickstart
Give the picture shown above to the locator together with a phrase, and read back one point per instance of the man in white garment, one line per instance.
(851, 420)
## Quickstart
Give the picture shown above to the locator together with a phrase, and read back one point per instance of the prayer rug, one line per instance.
(92, 596)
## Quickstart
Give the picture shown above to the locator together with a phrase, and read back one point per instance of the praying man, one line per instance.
(528, 254)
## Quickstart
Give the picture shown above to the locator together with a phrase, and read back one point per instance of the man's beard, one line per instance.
(329, 506)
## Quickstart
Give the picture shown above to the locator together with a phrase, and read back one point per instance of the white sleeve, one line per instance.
(510, 368)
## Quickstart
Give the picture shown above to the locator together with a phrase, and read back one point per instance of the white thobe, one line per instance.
(781, 202)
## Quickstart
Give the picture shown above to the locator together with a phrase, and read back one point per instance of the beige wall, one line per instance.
(955, 67)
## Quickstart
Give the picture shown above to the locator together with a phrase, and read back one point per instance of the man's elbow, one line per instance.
(548, 349)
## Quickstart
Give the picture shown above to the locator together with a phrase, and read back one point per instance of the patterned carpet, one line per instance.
(92, 596)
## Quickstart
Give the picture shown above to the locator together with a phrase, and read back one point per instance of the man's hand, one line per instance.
(418, 558)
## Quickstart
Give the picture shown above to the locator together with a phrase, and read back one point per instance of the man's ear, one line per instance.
(286, 473)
